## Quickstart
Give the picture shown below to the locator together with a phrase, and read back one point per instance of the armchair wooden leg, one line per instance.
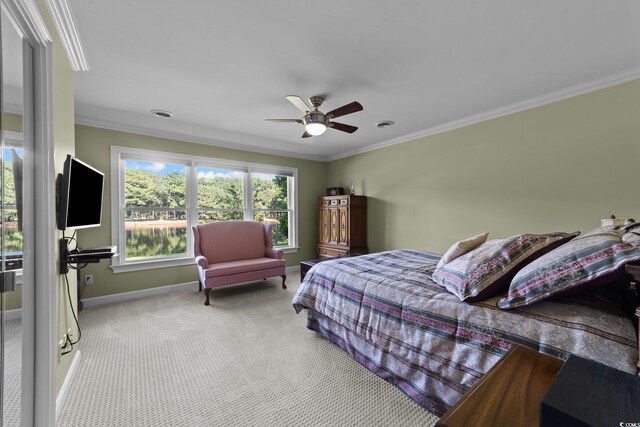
(199, 286)
(284, 277)
(206, 295)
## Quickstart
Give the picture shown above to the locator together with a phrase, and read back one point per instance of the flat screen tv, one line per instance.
(80, 195)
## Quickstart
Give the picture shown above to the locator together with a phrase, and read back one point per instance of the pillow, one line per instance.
(462, 247)
(488, 269)
(631, 238)
(628, 225)
(584, 263)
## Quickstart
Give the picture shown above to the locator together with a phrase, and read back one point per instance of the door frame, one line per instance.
(38, 307)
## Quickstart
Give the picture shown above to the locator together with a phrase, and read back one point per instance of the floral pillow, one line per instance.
(586, 262)
(488, 269)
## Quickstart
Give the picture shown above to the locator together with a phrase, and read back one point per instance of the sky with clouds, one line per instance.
(7, 153)
(202, 172)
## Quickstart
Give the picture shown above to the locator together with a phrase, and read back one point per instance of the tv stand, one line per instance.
(83, 256)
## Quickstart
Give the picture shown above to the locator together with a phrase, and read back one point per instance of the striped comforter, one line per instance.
(387, 313)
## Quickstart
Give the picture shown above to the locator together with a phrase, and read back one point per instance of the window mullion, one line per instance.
(191, 204)
(121, 210)
(248, 199)
(291, 182)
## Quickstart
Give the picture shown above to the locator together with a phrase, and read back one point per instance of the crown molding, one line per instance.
(573, 91)
(66, 26)
(550, 98)
(80, 120)
(25, 16)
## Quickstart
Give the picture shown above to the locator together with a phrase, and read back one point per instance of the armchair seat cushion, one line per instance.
(242, 266)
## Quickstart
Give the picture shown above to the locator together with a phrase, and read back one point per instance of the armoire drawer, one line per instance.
(331, 253)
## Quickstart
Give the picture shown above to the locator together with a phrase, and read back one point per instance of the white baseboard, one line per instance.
(126, 296)
(66, 386)
(13, 314)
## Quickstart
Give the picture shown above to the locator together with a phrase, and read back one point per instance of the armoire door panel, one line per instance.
(334, 221)
(324, 225)
(343, 226)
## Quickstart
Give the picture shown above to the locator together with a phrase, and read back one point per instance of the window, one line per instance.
(155, 215)
(157, 197)
(12, 156)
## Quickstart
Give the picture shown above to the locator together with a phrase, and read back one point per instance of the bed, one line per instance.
(385, 310)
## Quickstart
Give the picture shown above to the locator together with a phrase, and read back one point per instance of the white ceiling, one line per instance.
(224, 66)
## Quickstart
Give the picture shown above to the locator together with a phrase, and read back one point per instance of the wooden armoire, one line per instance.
(343, 226)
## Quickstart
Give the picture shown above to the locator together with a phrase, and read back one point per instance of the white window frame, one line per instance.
(120, 154)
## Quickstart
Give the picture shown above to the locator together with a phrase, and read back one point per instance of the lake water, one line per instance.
(168, 239)
(155, 241)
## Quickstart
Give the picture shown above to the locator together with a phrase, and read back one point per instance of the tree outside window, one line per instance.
(270, 200)
(220, 194)
(158, 210)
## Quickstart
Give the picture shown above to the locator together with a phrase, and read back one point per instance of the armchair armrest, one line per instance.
(202, 261)
(274, 253)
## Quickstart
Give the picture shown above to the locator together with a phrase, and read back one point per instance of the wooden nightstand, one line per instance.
(588, 393)
(305, 266)
(634, 270)
(638, 315)
(509, 394)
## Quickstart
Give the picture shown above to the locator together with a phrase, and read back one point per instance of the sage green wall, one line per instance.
(93, 146)
(561, 166)
(63, 136)
(11, 122)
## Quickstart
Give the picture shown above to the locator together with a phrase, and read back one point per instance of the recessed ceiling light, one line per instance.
(384, 124)
(163, 114)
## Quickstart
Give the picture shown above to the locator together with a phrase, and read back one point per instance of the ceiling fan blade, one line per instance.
(345, 109)
(298, 102)
(284, 120)
(343, 127)
(306, 135)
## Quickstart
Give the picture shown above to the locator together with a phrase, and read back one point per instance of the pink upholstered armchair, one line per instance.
(229, 252)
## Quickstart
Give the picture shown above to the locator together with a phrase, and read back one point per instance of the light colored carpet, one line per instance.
(12, 393)
(246, 360)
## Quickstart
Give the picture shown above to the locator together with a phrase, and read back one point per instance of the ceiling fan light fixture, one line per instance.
(315, 128)
(315, 123)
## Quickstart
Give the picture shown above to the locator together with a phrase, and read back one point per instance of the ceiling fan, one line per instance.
(315, 121)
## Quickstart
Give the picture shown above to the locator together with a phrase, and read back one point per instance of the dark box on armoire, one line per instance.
(587, 393)
(335, 191)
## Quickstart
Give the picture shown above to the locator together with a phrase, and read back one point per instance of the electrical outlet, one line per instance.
(88, 279)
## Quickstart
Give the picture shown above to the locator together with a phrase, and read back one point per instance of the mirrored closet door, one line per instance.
(13, 245)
